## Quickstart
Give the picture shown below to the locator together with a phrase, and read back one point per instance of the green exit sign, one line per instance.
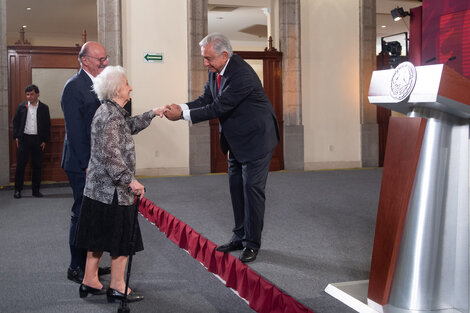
(153, 57)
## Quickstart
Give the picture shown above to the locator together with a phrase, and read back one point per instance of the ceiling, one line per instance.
(243, 21)
(57, 18)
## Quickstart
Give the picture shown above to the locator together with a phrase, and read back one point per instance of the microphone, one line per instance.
(430, 60)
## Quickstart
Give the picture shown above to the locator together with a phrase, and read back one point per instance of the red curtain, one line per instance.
(263, 297)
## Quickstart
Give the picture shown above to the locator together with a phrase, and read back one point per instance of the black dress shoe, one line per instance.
(37, 194)
(113, 295)
(248, 255)
(231, 246)
(84, 290)
(75, 275)
(104, 271)
(17, 194)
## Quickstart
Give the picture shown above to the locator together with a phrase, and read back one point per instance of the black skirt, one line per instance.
(108, 227)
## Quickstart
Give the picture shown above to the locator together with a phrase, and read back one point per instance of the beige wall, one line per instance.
(158, 26)
(330, 83)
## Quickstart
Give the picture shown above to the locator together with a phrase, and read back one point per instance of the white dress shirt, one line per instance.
(31, 126)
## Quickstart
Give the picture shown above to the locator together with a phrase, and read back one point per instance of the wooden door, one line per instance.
(50, 66)
(272, 83)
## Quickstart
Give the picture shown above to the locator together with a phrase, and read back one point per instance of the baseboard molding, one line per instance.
(312, 166)
(163, 171)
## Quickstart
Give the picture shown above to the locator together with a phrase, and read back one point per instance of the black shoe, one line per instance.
(113, 295)
(75, 275)
(37, 194)
(231, 246)
(104, 271)
(248, 255)
(84, 290)
(17, 194)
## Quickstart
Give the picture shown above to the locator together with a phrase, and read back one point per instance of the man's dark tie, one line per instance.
(219, 77)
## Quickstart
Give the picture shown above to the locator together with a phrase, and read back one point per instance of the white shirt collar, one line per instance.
(223, 70)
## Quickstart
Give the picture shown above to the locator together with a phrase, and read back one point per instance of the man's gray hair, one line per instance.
(221, 43)
(106, 85)
(82, 53)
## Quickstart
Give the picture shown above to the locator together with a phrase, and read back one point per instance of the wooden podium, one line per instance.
(420, 258)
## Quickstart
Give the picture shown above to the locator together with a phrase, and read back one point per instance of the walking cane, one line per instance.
(124, 308)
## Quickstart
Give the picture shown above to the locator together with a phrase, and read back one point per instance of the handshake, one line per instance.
(172, 112)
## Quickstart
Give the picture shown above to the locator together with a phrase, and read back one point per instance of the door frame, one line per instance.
(272, 83)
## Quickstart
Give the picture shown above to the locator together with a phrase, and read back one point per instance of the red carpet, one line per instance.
(263, 297)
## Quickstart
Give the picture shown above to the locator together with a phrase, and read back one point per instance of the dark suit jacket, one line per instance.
(249, 127)
(79, 104)
(43, 120)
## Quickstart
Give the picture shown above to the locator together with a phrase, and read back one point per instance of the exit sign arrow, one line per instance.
(153, 57)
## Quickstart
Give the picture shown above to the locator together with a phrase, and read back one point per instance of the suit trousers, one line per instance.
(77, 182)
(29, 144)
(247, 189)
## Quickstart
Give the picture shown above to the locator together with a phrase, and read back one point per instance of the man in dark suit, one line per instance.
(31, 130)
(248, 131)
(79, 104)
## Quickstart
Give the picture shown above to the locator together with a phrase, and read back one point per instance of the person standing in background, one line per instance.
(79, 103)
(31, 131)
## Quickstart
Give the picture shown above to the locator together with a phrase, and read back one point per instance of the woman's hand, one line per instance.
(137, 188)
(159, 111)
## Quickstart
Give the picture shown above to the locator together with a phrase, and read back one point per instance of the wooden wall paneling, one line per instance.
(20, 77)
(273, 87)
(219, 163)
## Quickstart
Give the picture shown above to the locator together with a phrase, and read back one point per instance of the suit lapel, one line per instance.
(214, 84)
(24, 115)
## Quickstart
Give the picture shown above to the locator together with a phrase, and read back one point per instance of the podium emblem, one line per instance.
(403, 81)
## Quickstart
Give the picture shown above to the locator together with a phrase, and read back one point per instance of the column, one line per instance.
(199, 134)
(369, 127)
(110, 29)
(4, 120)
(289, 33)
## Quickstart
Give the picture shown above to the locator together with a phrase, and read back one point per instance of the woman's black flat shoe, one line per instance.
(85, 290)
(114, 295)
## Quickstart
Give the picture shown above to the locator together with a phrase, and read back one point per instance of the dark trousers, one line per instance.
(247, 188)
(77, 182)
(29, 144)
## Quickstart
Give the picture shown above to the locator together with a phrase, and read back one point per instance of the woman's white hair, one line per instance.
(106, 85)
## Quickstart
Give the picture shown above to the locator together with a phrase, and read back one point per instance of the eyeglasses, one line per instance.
(101, 60)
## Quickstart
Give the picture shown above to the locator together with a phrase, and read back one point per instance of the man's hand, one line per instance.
(174, 112)
(43, 145)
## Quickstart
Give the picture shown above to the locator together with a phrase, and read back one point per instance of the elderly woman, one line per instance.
(107, 210)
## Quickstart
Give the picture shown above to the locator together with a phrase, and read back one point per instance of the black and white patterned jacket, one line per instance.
(112, 160)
